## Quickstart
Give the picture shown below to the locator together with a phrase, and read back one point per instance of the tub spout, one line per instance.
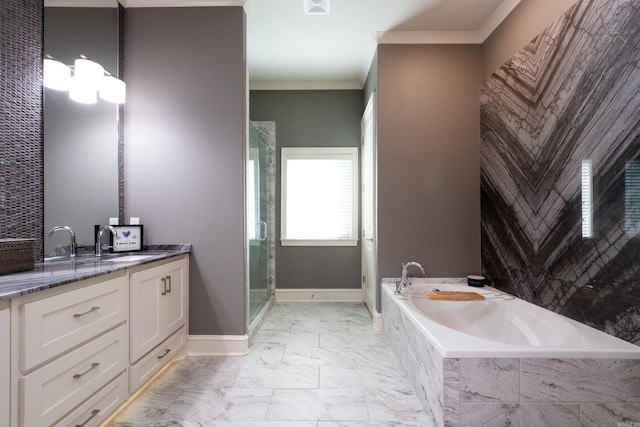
(405, 280)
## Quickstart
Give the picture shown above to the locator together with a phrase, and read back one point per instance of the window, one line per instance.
(587, 199)
(632, 198)
(319, 196)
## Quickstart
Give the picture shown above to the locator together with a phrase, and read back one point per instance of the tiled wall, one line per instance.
(572, 94)
(21, 165)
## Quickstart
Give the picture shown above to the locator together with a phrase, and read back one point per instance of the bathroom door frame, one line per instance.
(369, 191)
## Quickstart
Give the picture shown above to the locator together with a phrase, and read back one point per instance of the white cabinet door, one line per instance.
(158, 305)
(175, 303)
(146, 294)
(4, 366)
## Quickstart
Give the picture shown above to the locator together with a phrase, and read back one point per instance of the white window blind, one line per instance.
(319, 196)
(632, 198)
(586, 177)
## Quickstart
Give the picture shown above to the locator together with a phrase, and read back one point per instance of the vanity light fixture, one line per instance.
(56, 75)
(89, 80)
(113, 89)
(317, 7)
(85, 82)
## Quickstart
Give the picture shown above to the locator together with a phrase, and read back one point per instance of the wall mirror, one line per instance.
(81, 141)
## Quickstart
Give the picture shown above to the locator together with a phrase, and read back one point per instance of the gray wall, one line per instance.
(185, 138)
(315, 118)
(429, 158)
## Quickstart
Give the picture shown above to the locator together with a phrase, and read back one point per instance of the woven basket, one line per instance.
(16, 255)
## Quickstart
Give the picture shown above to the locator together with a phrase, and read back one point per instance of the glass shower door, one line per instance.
(261, 214)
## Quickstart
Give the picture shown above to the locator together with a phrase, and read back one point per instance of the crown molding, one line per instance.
(428, 37)
(449, 37)
(79, 3)
(181, 3)
(500, 14)
(304, 85)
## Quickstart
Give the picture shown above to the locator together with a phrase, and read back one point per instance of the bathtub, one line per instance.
(503, 361)
(501, 325)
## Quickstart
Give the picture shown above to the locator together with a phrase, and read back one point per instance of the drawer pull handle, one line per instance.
(93, 414)
(164, 286)
(169, 282)
(93, 366)
(167, 351)
(93, 309)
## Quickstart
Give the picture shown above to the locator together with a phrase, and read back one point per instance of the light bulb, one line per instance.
(56, 75)
(113, 90)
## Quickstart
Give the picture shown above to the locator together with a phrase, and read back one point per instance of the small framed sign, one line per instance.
(128, 238)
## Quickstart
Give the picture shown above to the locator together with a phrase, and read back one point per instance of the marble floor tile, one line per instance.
(318, 404)
(262, 424)
(337, 377)
(308, 339)
(371, 424)
(347, 340)
(299, 327)
(252, 376)
(234, 404)
(310, 365)
(386, 404)
(312, 356)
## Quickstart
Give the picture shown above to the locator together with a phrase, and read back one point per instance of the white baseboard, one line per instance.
(377, 321)
(319, 295)
(217, 345)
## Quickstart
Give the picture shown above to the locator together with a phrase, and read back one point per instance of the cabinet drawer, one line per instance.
(98, 408)
(56, 324)
(50, 392)
(147, 367)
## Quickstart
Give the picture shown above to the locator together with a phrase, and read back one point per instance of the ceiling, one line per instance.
(288, 49)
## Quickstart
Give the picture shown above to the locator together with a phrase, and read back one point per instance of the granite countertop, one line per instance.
(59, 271)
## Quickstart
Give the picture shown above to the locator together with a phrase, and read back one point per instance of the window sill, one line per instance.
(319, 242)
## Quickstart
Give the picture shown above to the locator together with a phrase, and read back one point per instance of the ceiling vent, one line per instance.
(316, 7)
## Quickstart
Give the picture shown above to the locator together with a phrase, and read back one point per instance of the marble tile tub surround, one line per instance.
(52, 274)
(311, 364)
(519, 392)
(572, 94)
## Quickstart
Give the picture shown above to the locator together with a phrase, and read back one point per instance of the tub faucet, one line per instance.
(99, 237)
(405, 280)
(73, 248)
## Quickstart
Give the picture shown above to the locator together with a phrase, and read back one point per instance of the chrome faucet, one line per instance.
(101, 230)
(73, 247)
(405, 280)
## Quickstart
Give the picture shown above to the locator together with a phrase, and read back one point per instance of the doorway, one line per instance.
(369, 209)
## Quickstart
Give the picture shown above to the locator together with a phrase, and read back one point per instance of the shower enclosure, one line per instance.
(261, 214)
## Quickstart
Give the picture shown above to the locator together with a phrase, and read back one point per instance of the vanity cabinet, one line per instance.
(71, 343)
(158, 316)
(5, 366)
(72, 355)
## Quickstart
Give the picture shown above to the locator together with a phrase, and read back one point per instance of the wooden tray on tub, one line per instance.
(454, 296)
